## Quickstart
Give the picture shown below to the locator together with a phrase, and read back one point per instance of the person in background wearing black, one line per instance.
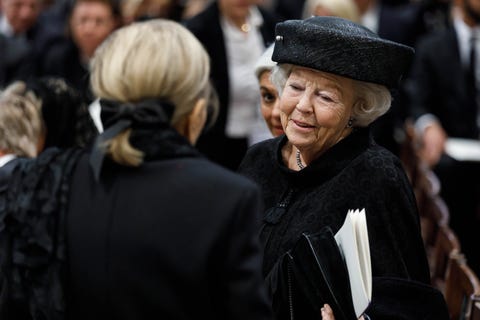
(89, 23)
(443, 92)
(235, 34)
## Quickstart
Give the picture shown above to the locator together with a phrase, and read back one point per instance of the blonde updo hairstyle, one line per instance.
(152, 59)
(372, 100)
(21, 123)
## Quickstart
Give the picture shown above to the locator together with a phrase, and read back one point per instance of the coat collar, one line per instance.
(330, 163)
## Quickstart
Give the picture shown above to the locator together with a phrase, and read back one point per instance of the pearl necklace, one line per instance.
(299, 161)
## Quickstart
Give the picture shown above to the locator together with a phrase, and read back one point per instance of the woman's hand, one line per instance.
(327, 312)
(434, 138)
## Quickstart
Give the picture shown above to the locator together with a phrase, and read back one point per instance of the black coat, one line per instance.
(5, 174)
(355, 173)
(62, 59)
(176, 238)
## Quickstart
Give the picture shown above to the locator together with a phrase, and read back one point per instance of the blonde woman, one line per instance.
(151, 227)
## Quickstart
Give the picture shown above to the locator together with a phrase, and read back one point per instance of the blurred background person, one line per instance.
(267, 125)
(21, 133)
(16, 60)
(19, 36)
(18, 18)
(235, 33)
(443, 92)
(65, 117)
(194, 7)
(64, 112)
(287, 9)
(89, 23)
(22, 128)
(346, 9)
(133, 10)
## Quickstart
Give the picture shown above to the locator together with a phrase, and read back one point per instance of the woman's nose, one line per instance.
(304, 104)
(276, 109)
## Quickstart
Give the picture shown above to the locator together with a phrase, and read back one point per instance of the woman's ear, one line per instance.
(195, 121)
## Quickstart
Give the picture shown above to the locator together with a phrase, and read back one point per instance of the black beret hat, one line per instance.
(341, 47)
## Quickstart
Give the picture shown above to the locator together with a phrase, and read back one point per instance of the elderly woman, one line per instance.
(334, 78)
(135, 227)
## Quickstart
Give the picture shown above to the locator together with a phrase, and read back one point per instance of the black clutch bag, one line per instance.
(317, 274)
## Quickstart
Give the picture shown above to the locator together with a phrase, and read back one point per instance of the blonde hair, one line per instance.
(372, 100)
(153, 59)
(346, 9)
(21, 124)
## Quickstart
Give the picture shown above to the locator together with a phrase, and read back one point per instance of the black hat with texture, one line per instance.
(341, 47)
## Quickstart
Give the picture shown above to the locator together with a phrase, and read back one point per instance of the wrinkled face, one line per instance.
(315, 108)
(20, 14)
(269, 104)
(91, 23)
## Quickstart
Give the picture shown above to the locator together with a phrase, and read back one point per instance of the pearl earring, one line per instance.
(350, 122)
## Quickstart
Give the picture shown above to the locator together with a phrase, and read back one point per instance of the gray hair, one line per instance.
(21, 124)
(372, 100)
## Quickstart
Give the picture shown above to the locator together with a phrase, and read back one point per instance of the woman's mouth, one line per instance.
(303, 124)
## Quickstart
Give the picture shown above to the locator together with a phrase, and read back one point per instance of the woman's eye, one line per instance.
(326, 98)
(268, 98)
(295, 87)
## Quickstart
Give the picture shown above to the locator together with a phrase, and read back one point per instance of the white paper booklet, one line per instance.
(352, 239)
(463, 149)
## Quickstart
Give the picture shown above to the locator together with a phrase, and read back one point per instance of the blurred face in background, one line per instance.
(236, 10)
(90, 23)
(20, 14)
(269, 104)
(471, 10)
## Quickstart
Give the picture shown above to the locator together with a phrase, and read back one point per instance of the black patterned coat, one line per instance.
(355, 173)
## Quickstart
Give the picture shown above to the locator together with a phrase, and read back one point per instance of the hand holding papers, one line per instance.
(335, 269)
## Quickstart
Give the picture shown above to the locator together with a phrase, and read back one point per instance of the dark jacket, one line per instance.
(355, 173)
(62, 59)
(438, 85)
(16, 60)
(176, 237)
(5, 174)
